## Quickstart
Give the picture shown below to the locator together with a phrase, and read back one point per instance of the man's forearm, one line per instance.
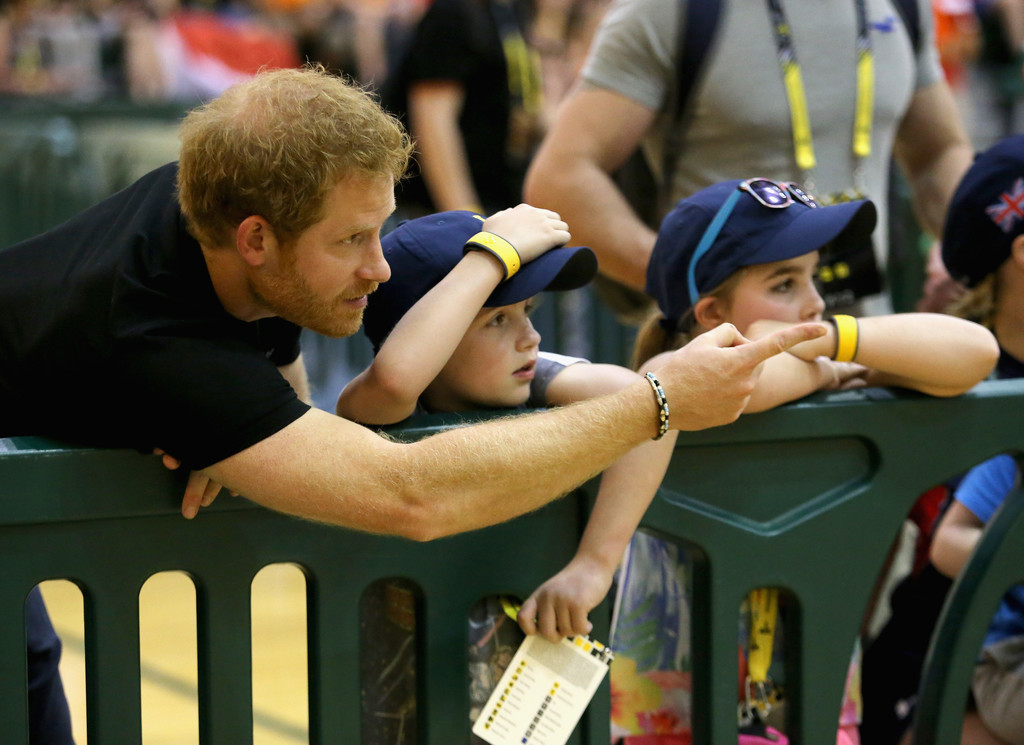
(322, 467)
(518, 465)
(934, 150)
(498, 470)
(329, 470)
(594, 134)
(933, 187)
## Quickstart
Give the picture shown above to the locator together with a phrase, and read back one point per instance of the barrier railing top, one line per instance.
(930, 438)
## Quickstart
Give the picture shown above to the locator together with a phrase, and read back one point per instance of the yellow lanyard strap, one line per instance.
(865, 103)
(803, 140)
(764, 612)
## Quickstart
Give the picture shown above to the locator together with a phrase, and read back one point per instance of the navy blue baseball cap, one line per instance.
(986, 213)
(727, 226)
(423, 251)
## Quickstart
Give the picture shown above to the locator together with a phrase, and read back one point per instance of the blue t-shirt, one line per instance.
(982, 491)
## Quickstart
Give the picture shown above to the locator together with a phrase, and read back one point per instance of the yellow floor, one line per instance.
(168, 650)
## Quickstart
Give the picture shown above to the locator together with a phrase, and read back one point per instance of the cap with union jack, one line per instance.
(986, 213)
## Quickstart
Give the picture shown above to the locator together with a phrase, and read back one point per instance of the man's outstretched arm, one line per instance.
(325, 468)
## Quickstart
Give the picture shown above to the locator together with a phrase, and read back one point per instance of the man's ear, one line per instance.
(254, 240)
(709, 312)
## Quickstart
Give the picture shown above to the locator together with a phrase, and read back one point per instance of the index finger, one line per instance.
(756, 352)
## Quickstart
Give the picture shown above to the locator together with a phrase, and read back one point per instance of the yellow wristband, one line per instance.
(847, 338)
(502, 249)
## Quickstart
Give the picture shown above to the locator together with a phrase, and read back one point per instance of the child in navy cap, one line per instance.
(983, 248)
(452, 332)
(747, 253)
(450, 329)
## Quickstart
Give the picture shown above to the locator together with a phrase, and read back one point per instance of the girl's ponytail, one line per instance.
(655, 337)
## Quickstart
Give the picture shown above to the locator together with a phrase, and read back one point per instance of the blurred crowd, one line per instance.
(188, 50)
(150, 50)
(981, 45)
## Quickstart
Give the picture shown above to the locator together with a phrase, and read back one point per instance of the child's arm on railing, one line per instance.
(559, 607)
(425, 338)
(929, 352)
(786, 378)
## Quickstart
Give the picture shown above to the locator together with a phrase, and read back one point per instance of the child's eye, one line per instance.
(497, 320)
(531, 306)
(785, 285)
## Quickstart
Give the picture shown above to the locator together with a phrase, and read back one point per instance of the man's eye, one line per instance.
(355, 238)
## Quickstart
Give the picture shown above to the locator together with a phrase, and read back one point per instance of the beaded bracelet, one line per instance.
(494, 244)
(847, 337)
(659, 395)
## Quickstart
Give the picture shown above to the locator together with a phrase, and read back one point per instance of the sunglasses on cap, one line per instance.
(773, 194)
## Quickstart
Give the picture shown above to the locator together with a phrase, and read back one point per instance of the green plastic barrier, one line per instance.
(109, 519)
(806, 498)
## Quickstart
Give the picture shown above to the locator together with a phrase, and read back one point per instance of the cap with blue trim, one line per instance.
(423, 251)
(681, 269)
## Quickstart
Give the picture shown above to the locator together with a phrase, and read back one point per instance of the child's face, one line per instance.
(778, 291)
(493, 364)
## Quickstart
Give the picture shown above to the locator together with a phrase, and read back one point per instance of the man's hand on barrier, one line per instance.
(200, 490)
(709, 381)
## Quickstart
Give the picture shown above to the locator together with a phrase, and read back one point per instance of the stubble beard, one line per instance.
(289, 296)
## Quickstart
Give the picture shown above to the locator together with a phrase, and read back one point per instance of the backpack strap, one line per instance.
(695, 36)
(697, 25)
(910, 14)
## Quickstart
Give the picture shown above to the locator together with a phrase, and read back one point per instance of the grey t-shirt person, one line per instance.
(741, 124)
